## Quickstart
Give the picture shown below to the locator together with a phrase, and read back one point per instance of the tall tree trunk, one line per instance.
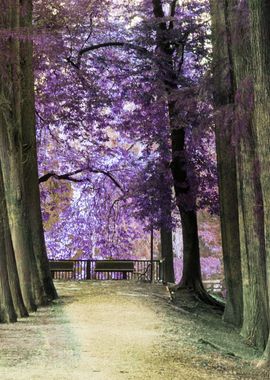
(254, 327)
(251, 213)
(7, 309)
(30, 168)
(13, 278)
(22, 285)
(167, 253)
(260, 36)
(10, 299)
(11, 155)
(186, 201)
(224, 92)
(191, 278)
(166, 237)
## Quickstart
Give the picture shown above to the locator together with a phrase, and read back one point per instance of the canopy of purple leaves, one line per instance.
(102, 122)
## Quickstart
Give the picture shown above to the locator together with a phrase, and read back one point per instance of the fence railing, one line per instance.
(144, 270)
(214, 286)
(85, 270)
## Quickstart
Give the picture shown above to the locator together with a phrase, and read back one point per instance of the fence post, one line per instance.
(88, 270)
(152, 254)
(160, 271)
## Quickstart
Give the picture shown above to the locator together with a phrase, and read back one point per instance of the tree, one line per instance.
(30, 167)
(8, 313)
(139, 69)
(251, 213)
(171, 45)
(27, 289)
(224, 93)
(260, 34)
(166, 242)
(250, 160)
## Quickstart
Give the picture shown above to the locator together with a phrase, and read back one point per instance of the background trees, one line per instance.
(129, 74)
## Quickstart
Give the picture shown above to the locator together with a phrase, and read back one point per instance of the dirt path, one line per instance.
(118, 330)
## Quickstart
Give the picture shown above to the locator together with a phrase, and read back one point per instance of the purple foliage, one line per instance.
(103, 115)
(210, 267)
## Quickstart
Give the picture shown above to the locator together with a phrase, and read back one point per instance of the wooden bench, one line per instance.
(115, 266)
(61, 266)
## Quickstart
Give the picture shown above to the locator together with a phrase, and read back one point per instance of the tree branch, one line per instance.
(88, 49)
(157, 9)
(173, 8)
(126, 45)
(69, 176)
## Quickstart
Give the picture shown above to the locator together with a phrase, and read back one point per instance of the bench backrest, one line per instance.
(61, 265)
(114, 266)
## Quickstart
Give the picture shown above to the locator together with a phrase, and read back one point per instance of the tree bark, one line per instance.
(11, 154)
(260, 36)
(224, 92)
(185, 195)
(11, 298)
(167, 253)
(13, 278)
(20, 209)
(251, 212)
(30, 168)
(186, 201)
(7, 309)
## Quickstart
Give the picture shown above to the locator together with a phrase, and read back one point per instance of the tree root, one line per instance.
(264, 363)
(197, 293)
(217, 348)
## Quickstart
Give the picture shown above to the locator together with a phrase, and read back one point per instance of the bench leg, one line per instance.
(124, 275)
